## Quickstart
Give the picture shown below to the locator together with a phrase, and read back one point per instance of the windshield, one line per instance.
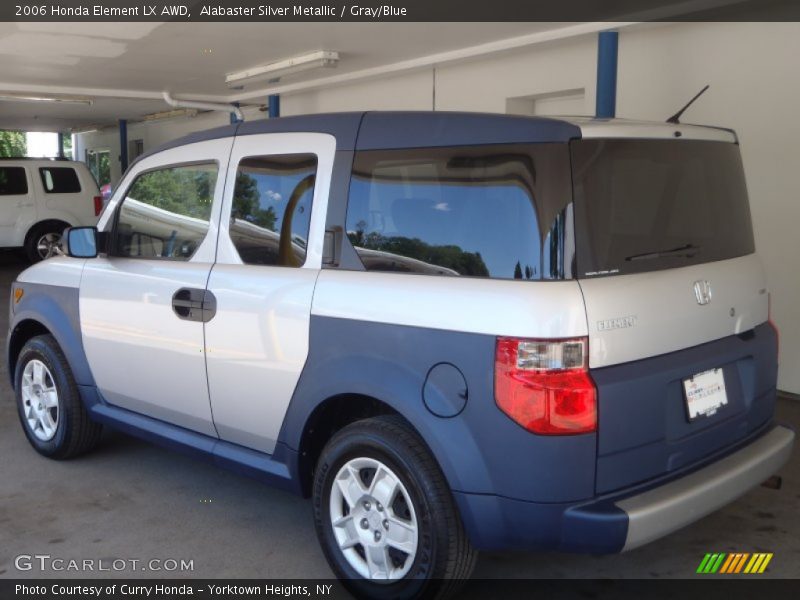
(646, 205)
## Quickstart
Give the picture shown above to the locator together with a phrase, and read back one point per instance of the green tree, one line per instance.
(448, 256)
(13, 143)
(68, 146)
(184, 191)
(247, 206)
(98, 161)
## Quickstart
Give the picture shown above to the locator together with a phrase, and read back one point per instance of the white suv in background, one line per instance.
(39, 198)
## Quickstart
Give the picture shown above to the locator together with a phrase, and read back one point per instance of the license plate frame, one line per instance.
(705, 394)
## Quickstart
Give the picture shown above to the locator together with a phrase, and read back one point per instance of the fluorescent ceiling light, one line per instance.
(276, 70)
(86, 129)
(36, 98)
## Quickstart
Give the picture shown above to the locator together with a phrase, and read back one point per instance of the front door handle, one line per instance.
(193, 304)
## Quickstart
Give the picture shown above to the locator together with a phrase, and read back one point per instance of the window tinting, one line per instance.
(272, 209)
(482, 211)
(60, 180)
(645, 205)
(165, 213)
(13, 181)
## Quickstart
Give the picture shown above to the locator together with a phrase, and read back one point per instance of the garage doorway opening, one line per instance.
(99, 164)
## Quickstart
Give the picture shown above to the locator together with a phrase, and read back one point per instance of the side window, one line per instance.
(483, 211)
(13, 181)
(166, 212)
(60, 180)
(272, 209)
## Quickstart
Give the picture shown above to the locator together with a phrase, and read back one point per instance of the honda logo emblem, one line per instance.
(702, 291)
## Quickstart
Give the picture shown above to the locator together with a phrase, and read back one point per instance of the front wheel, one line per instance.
(49, 405)
(385, 516)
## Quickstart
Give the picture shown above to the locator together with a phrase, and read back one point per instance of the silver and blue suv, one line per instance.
(453, 331)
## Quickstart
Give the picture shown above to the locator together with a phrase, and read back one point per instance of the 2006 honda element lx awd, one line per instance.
(453, 331)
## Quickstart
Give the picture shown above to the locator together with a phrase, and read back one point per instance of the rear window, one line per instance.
(60, 180)
(13, 181)
(482, 211)
(646, 205)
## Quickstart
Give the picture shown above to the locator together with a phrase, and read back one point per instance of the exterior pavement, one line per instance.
(131, 500)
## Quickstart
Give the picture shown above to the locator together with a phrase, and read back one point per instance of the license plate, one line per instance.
(705, 393)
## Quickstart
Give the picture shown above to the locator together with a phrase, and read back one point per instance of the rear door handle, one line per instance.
(194, 304)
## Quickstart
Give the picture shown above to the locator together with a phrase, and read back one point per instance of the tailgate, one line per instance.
(647, 334)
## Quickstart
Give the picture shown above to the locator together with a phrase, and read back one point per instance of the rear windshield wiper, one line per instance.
(687, 251)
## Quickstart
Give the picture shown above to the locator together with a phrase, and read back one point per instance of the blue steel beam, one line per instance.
(274, 105)
(607, 50)
(123, 144)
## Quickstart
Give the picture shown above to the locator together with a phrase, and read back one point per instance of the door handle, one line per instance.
(193, 304)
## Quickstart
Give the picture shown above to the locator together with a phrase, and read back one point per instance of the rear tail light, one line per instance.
(98, 205)
(545, 386)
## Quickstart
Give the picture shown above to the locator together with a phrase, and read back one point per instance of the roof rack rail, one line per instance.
(54, 158)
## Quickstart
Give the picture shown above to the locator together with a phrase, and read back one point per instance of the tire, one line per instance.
(368, 458)
(57, 426)
(44, 241)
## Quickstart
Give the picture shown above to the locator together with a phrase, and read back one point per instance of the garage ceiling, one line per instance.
(124, 67)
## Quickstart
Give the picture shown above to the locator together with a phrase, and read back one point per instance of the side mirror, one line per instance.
(81, 242)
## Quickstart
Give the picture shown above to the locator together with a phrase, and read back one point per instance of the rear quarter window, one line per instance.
(13, 181)
(60, 180)
(498, 211)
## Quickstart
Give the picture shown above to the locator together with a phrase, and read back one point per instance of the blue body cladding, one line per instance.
(643, 427)
(56, 308)
(481, 450)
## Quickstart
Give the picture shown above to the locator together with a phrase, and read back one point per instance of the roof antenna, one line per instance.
(676, 117)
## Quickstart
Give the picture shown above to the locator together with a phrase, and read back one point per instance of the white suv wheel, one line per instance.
(49, 244)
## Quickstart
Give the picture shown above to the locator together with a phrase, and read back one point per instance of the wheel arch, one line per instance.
(52, 221)
(46, 309)
(328, 417)
(18, 337)
(327, 399)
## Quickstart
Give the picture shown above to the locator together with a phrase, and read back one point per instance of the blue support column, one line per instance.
(123, 144)
(234, 118)
(607, 50)
(274, 105)
(60, 144)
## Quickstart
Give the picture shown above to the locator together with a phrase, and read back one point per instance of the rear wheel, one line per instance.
(44, 241)
(49, 406)
(385, 516)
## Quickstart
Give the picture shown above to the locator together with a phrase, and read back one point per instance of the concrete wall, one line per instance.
(755, 89)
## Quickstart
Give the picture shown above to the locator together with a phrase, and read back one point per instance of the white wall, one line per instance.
(755, 88)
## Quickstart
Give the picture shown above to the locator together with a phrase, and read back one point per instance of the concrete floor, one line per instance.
(132, 500)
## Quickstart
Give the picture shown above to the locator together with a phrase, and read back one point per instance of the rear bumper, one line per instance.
(628, 519)
(662, 510)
